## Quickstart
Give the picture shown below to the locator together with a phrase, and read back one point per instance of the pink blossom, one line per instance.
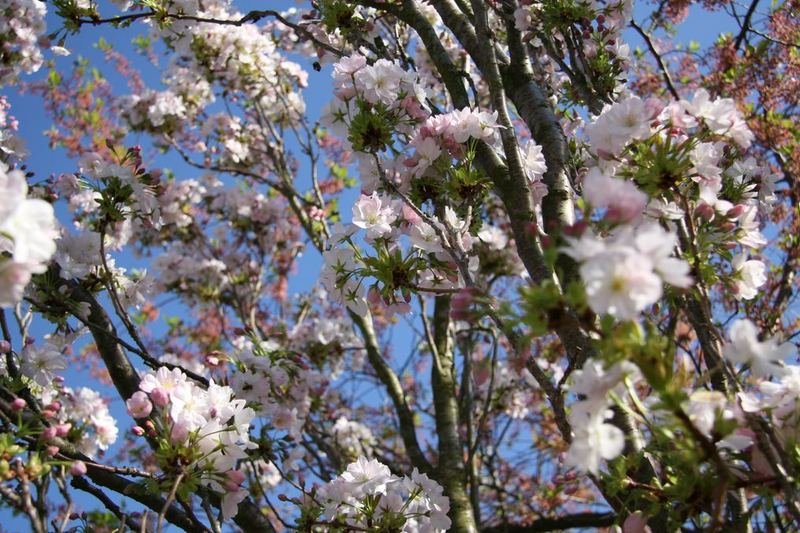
(78, 469)
(159, 396)
(139, 405)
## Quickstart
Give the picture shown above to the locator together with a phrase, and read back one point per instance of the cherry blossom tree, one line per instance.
(545, 253)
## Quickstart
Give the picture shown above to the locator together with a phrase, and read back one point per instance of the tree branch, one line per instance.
(395, 390)
(582, 520)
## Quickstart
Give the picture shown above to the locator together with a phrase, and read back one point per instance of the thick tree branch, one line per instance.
(394, 388)
(450, 471)
(541, 525)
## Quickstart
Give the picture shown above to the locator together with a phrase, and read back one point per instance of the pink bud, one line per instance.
(236, 476)
(374, 297)
(461, 302)
(138, 431)
(49, 433)
(704, 211)
(727, 226)
(735, 211)
(62, 430)
(653, 106)
(52, 451)
(604, 154)
(54, 406)
(410, 162)
(344, 93)
(179, 433)
(410, 215)
(5, 346)
(139, 405)
(78, 468)
(635, 523)
(149, 427)
(48, 413)
(18, 405)
(577, 229)
(160, 397)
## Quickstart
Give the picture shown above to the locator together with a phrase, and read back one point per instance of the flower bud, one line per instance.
(736, 211)
(577, 229)
(138, 430)
(52, 451)
(159, 396)
(139, 405)
(235, 479)
(179, 433)
(62, 430)
(704, 211)
(18, 405)
(5, 346)
(635, 523)
(78, 469)
(149, 427)
(49, 433)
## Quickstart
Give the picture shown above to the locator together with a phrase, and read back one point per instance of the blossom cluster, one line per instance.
(353, 437)
(368, 494)
(600, 26)
(21, 28)
(773, 391)
(328, 334)
(428, 263)
(11, 144)
(27, 235)
(80, 416)
(594, 437)
(279, 388)
(241, 59)
(625, 273)
(776, 390)
(43, 363)
(205, 430)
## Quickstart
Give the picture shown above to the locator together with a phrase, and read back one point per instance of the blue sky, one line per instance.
(701, 26)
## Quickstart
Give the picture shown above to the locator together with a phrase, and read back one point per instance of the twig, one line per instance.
(745, 25)
(168, 502)
(659, 60)
(81, 484)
